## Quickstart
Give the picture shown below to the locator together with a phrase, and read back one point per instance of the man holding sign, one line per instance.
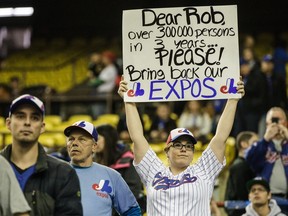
(181, 188)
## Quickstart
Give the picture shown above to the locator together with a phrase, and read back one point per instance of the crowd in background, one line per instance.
(265, 88)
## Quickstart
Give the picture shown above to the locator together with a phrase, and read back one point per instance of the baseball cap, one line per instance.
(87, 126)
(258, 180)
(267, 58)
(27, 99)
(176, 133)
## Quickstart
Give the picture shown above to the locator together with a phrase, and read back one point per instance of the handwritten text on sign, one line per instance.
(172, 54)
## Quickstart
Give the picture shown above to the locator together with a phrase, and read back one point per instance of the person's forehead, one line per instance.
(257, 186)
(24, 107)
(276, 113)
(254, 138)
(79, 132)
(183, 138)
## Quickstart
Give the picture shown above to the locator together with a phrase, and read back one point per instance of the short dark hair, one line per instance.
(243, 136)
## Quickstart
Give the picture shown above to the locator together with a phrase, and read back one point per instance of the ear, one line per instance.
(167, 154)
(269, 195)
(43, 127)
(8, 123)
(94, 147)
(249, 197)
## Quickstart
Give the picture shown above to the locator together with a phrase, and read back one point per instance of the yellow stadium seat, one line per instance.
(47, 140)
(146, 121)
(5, 136)
(163, 158)
(8, 139)
(111, 119)
(2, 121)
(158, 148)
(230, 150)
(79, 117)
(60, 139)
(53, 119)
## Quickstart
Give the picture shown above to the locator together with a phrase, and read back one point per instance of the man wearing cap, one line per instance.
(260, 199)
(102, 188)
(51, 186)
(181, 188)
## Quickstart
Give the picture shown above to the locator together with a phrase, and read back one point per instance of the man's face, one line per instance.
(254, 138)
(81, 146)
(258, 195)
(276, 114)
(26, 124)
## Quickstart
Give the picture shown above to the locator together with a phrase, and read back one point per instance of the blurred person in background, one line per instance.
(122, 126)
(95, 66)
(162, 123)
(102, 188)
(113, 153)
(104, 81)
(280, 57)
(5, 99)
(51, 186)
(276, 90)
(5, 92)
(15, 85)
(252, 107)
(261, 202)
(277, 94)
(240, 172)
(195, 118)
(12, 200)
(268, 156)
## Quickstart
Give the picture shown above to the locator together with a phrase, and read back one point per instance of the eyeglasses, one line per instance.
(188, 146)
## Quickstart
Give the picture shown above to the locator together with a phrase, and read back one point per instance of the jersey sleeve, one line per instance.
(149, 166)
(208, 166)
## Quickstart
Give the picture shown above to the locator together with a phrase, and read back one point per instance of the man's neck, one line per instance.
(87, 163)
(24, 156)
(262, 210)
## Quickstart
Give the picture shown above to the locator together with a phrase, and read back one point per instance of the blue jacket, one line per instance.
(262, 155)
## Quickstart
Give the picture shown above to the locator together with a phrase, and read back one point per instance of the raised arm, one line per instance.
(134, 125)
(225, 124)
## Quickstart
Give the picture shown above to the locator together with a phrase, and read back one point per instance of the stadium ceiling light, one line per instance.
(18, 11)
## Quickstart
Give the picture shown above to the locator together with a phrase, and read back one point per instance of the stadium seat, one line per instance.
(78, 117)
(52, 121)
(47, 140)
(111, 119)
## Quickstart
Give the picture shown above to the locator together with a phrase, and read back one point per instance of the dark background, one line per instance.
(90, 18)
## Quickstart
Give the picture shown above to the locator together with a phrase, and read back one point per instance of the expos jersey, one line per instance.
(187, 193)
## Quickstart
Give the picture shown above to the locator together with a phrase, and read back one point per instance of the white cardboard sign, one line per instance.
(183, 53)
